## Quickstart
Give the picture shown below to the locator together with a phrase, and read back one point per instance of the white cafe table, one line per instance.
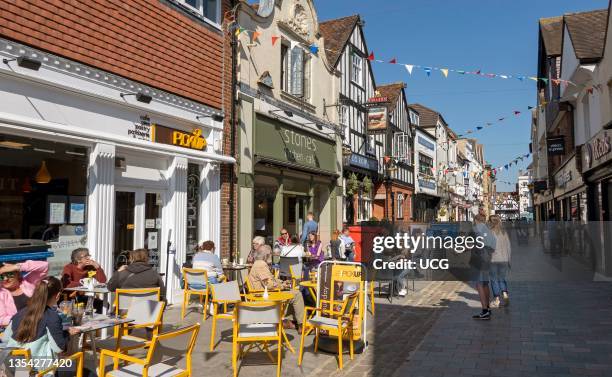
(102, 290)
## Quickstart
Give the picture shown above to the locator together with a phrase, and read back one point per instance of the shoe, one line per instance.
(403, 292)
(506, 298)
(495, 303)
(298, 328)
(485, 314)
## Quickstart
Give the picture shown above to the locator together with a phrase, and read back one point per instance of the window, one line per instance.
(306, 76)
(344, 121)
(425, 164)
(284, 67)
(610, 100)
(586, 114)
(210, 9)
(295, 71)
(401, 147)
(414, 118)
(400, 206)
(371, 146)
(365, 208)
(356, 68)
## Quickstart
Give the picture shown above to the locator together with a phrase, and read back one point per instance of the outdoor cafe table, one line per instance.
(236, 270)
(283, 297)
(96, 290)
(312, 287)
(98, 322)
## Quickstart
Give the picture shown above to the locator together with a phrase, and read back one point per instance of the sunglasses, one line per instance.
(7, 275)
(284, 234)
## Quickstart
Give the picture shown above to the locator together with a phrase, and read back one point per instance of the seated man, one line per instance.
(260, 277)
(260, 247)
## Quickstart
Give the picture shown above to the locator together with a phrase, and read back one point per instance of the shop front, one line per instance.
(295, 172)
(360, 176)
(90, 168)
(597, 173)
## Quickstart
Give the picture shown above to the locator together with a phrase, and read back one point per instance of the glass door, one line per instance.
(138, 223)
(125, 208)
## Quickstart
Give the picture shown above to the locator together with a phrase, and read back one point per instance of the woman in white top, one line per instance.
(500, 263)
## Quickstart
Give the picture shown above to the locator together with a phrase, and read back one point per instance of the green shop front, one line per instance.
(295, 170)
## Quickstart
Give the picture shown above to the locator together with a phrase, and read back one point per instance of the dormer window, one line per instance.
(356, 68)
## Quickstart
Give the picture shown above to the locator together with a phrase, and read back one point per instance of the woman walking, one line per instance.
(500, 263)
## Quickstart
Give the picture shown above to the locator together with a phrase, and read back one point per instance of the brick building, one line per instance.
(115, 127)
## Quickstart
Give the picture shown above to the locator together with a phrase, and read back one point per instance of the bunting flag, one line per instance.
(517, 112)
(409, 67)
(314, 49)
(499, 120)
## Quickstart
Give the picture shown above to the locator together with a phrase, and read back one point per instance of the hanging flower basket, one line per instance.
(352, 184)
(367, 185)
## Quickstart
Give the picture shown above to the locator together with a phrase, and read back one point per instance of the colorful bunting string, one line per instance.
(410, 67)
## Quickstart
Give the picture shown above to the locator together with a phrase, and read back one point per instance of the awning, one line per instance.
(290, 165)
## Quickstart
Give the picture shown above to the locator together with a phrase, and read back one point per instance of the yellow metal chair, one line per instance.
(196, 283)
(147, 315)
(222, 295)
(161, 359)
(75, 357)
(257, 322)
(338, 323)
(27, 356)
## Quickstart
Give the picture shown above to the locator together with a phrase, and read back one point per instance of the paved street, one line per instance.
(551, 328)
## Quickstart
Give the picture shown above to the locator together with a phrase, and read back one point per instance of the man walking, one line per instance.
(309, 226)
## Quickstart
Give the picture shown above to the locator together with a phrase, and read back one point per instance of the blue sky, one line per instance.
(491, 35)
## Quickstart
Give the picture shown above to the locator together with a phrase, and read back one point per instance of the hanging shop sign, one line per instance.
(597, 150)
(556, 145)
(284, 143)
(377, 118)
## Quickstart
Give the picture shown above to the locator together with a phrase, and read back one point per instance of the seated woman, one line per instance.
(137, 274)
(17, 283)
(80, 267)
(260, 277)
(38, 326)
(315, 249)
(206, 259)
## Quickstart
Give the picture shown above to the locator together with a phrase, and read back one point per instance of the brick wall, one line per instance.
(145, 40)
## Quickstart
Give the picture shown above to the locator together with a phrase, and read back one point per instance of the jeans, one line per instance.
(497, 276)
(400, 280)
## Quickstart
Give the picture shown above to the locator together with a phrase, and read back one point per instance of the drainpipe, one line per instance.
(233, 125)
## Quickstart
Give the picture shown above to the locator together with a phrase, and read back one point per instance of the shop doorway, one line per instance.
(138, 222)
(295, 210)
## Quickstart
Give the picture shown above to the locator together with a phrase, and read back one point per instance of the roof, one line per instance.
(552, 34)
(392, 92)
(337, 33)
(427, 117)
(587, 31)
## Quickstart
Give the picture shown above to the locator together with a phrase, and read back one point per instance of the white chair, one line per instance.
(124, 297)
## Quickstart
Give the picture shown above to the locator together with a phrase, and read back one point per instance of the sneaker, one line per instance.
(485, 314)
(506, 298)
(403, 292)
(495, 303)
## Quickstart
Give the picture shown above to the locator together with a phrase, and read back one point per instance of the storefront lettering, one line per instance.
(597, 151)
(193, 141)
(300, 141)
(600, 147)
(564, 178)
(140, 132)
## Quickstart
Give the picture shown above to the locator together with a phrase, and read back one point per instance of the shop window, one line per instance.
(43, 191)
(209, 9)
